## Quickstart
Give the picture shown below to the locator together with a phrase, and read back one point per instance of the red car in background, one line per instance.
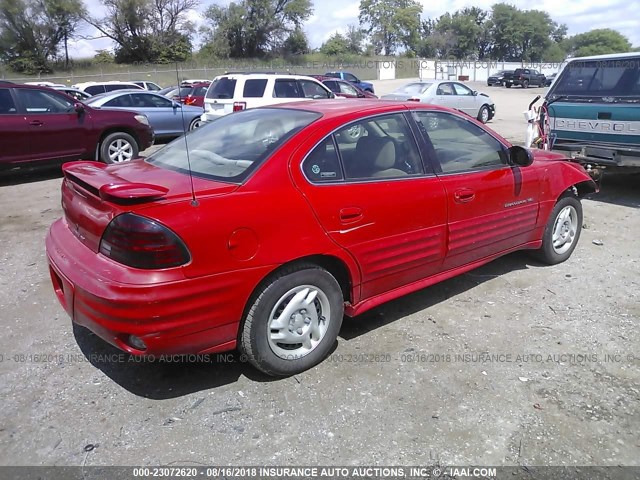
(342, 88)
(192, 93)
(268, 225)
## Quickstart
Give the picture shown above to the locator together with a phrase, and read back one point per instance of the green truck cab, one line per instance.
(594, 110)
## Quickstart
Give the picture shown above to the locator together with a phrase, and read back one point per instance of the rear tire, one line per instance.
(525, 84)
(118, 147)
(562, 232)
(508, 85)
(195, 123)
(293, 320)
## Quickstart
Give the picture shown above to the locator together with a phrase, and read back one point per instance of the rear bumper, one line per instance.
(607, 155)
(172, 314)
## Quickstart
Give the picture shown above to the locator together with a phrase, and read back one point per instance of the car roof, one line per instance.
(608, 56)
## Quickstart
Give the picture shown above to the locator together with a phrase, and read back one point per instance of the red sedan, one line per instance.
(263, 228)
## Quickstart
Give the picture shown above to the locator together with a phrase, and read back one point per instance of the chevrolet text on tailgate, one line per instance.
(594, 110)
(260, 230)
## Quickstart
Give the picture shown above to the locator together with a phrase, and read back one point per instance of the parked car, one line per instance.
(594, 110)
(95, 88)
(342, 88)
(192, 93)
(525, 77)
(233, 92)
(448, 94)
(550, 79)
(169, 91)
(187, 253)
(39, 126)
(498, 78)
(73, 92)
(168, 118)
(350, 77)
(151, 86)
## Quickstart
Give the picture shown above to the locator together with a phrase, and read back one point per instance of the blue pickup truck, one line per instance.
(350, 77)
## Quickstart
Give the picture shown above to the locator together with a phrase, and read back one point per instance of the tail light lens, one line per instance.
(237, 106)
(140, 242)
(189, 101)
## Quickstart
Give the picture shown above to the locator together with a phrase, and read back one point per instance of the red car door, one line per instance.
(368, 188)
(57, 131)
(492, 206)
(14, 131)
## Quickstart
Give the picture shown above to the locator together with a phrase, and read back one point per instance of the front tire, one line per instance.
(562, 232)
(525, 84)
(195, 123)
(118, 147)
(483, 114)
(508, 85)
(293, 320)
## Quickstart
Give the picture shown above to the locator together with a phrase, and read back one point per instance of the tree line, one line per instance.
(35, 33)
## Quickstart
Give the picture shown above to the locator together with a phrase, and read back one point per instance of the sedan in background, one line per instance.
(498, 78)
(73, 92)
(266, 227)
(447, 94)
(342, 88)
(168, 118)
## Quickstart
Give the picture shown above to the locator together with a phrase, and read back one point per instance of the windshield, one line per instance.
(229, 148)
(600, 78)
(414, 88)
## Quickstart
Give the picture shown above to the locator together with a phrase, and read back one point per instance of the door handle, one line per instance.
(350, 214)
(464, 195)
(36, 123)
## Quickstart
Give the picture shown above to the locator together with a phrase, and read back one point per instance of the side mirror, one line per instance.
(520, 156)
(475, 93)
(332, 95)
(361, 95)
(78, 107)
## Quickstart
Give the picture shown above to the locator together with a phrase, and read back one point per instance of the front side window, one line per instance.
(231, 147)
(348, 89)
(379, 147)
(313, 89)
(462, 90)
(351, 78)
(460, 145)
(39, 101)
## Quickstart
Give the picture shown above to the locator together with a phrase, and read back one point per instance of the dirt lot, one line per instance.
(511, 364)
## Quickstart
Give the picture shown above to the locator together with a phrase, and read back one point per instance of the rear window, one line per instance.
(221, 88)
(231, 147)
(200, 91)
(254, 88)
(599, 78)
(414, 88)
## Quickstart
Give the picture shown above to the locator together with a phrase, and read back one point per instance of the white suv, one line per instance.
(233, 92)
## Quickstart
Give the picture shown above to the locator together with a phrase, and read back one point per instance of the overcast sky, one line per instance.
(332, 16)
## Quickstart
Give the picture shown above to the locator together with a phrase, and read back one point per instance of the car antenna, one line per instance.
(194, 200)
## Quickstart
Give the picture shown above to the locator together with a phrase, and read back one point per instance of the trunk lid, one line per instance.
(94, 193)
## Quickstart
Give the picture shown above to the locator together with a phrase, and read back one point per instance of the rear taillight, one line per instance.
(189, 101)
(142, 243)
(237, 106)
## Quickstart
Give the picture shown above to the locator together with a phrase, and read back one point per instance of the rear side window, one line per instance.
(254, 88)
(285, 88)
(311, 89)
(7, 104)
(223, 87)
(95, 89)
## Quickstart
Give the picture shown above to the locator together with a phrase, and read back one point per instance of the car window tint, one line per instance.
(152, 87)
(322, 164)
(254, 88)
(460, 145)
(379, 147)
(286, 89)
(38, 101)
(199, 91)
(95, 89)
(350, 78)
(312, 89)
(348, 89)
(7, 105)
(222, 88)
(231, 147)
(445, 89)
(113, 88)
(120, 101)
(141, 100)
(462, 90)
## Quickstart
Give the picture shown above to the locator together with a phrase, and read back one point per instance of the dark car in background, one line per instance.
(342, 88)
(524, 77)
(498, 78)
(41, 126)
(351, 78)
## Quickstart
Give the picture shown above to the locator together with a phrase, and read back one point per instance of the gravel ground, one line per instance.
(514, 363)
